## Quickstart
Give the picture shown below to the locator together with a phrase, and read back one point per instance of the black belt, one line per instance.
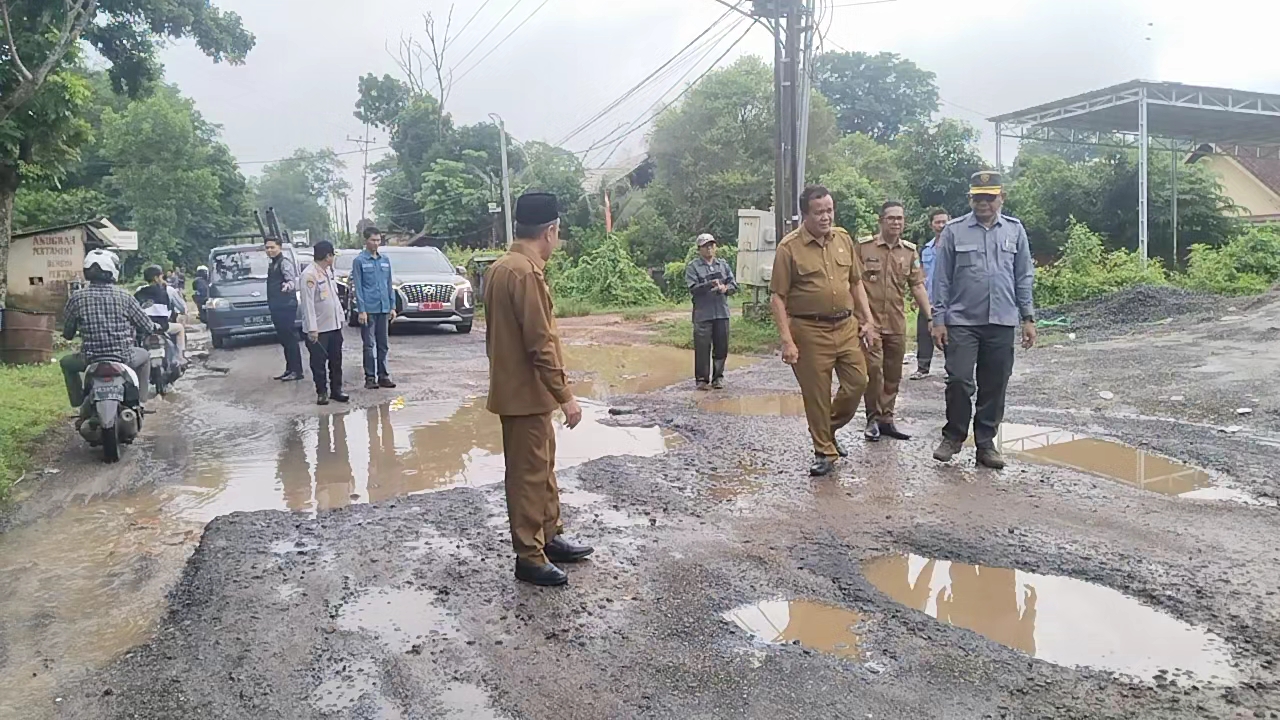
(834, 317)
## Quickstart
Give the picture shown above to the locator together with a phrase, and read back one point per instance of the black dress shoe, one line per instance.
(840, 448)
(322, 399)
(561, 550)
(872, 432)
(546, 575)
(285, 376)
(889, 430)
(293, 377)
(339, 397)
(822, 465)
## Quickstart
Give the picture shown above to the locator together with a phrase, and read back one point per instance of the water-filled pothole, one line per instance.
(400, 618)
(1058, 619)
(1112, 460)
(786, 405)
(825, 628)
(632, 369)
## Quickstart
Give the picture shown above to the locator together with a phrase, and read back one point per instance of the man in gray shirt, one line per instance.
(711, 283)
(982, 283)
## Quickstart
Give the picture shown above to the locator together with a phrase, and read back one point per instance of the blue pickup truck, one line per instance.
(237, 305)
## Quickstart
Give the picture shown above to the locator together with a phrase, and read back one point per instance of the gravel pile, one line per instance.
(1128, 310)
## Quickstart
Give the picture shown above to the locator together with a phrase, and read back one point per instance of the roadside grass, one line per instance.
(32, 399)
(746, 337)
(570, 307)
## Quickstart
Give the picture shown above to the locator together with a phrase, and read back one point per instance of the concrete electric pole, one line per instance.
(789, 21)
(364, 180)
(506, 176)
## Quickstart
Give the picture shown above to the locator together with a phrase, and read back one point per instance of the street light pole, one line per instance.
(506, 177)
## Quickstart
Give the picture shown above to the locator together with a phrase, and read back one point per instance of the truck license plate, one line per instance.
(432, 306)
(108, 392)
(259, 320)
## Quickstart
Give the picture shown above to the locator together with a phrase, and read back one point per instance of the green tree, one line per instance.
(36, 207)
(393, 203)
(857, 200)
(714, 150)
(381, 100)
(41, 98)
(877, 95)
(936, 162)
(454, 197)
(300, 187)
(161, 170)
(552, 169)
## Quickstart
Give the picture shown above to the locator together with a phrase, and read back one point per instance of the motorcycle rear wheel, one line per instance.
(110, 445)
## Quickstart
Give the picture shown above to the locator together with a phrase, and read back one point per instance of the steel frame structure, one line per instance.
(1142, 115)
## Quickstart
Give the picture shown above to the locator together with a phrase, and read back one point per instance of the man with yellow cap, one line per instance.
(983, 278)
(527, 382)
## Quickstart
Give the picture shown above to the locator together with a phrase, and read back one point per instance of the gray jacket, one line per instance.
(701, 277)
(983, 276)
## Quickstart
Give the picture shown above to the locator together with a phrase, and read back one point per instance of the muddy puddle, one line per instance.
(785, 405)
(85, 585)
(1057, 619)
(818, 626)
(601, 372)
(1112, 460)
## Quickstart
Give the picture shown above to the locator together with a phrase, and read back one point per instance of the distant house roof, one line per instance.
(100, 229)
(1266, 170)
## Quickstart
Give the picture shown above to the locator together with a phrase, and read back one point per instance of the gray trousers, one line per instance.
(73, 367)
(710, 349)
(987, 351)
(924, 344)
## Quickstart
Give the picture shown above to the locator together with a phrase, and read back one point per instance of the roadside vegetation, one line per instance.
(746, 336)
(32, 399)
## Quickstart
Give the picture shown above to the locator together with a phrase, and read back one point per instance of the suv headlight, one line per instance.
(217, 303)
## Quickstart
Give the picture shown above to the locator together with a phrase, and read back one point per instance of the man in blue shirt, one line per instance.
(376, 307)
(983, 278)
(938, 219)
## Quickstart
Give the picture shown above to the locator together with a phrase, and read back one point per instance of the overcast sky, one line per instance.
(575, 56)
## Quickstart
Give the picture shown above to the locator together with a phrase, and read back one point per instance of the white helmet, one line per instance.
(106, 261)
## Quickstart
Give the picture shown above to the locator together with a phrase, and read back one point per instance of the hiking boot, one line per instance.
(991, 458)
(703, 385)
(385, 382)
(322, 399)
(947, 450)
(717, 384)
(370, 383)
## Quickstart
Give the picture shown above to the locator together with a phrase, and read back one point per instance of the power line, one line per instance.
(112, 163)
(650, 78)
(466, 25)
(486, 35)
(684, 92)
(501, 42)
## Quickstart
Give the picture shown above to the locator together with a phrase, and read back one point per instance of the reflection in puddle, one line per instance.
(789, 405)
(464, 701)
(1109, 459)
(399, 618)
(631, 370)
(1057, 619)
(372, 455)
(825, 628)
(732, 485)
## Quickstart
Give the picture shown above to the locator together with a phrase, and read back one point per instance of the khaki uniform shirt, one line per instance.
(816, 276)
(888, 273)
(526, 369)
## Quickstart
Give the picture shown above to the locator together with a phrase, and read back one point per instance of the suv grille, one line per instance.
(418, 293)
(249, 305)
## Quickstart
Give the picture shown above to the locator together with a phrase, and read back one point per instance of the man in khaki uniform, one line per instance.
(890, 268)
(816, 286)
(527, 382)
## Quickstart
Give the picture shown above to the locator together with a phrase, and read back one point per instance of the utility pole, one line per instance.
(788, 20)
(364, 179)
(506, 176)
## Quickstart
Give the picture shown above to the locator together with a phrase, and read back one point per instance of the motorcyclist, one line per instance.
(110, 323)
(163, 304)
(201, 288)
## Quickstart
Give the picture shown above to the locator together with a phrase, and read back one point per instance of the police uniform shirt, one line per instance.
(816, 277)
(888, 272)
(983, 276)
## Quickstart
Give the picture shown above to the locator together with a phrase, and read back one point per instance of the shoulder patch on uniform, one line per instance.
(908, 244)
(1011, 218)
(311, 280)
(960, 219)
(788, 237)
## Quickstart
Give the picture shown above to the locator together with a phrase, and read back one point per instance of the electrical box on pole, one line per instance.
(757, 244)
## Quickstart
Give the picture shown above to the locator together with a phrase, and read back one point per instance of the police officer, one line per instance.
(982, 284)
(322, 321)
(527, 382)
(816, 286)
(889, 270)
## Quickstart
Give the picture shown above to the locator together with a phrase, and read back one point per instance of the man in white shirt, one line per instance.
(322, 321)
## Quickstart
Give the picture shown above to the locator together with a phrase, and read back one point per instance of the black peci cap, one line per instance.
(536, 208)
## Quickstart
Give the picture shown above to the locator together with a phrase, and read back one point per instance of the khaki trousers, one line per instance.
(533, 497)
(884, 376)
(826, 346)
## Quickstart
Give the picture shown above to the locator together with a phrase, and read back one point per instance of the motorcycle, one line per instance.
(165, 365)
(111, 414)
